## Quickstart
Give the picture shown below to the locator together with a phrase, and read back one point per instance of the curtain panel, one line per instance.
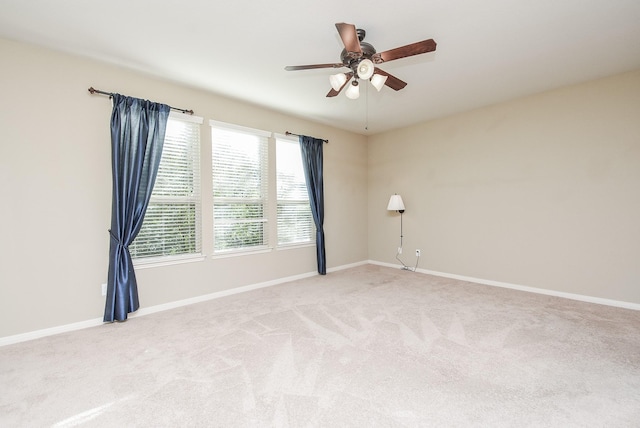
(137, 136)
(311, 149)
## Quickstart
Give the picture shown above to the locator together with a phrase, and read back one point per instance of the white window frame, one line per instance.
(304, 201)
(194, 198)
(262, 200)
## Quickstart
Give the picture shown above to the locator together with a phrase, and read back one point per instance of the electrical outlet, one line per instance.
(417, 253)
(104, 289)
(399, 250)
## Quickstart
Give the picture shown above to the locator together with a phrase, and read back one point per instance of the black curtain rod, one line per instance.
(298, 135)
(110, 94)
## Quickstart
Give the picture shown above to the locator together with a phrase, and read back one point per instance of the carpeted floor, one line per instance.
(367, 346)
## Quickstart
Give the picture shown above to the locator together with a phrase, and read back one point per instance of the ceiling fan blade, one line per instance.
(392, 81)
(312, 66)
(405, 51)
(333, 92)
(349, 37)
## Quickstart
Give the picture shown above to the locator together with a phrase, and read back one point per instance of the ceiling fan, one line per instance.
(361, 57)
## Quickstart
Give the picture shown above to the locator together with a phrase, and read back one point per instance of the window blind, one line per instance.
(240, 187)
(295, 223)
(172, 222)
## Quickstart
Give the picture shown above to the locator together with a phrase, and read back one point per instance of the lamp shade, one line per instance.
(353, 92)
(378, 81)
(365, 69)
(337, 80)
(395, 203)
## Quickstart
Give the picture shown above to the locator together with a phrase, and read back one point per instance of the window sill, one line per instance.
(239, 253)
(152, 262)
(295, 246)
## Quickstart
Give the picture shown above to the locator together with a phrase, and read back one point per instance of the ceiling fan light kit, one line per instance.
(353, 91)
(378, 80)
(361, 57)
(365, 69)
(337, 81)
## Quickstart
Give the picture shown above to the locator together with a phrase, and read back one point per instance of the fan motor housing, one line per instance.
(348, 58)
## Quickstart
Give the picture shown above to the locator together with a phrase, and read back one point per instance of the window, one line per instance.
(295, 223)
(240, 187)
(171, 224)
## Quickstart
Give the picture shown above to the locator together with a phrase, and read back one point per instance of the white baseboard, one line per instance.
(349, 266)
(572, 296)
(8, 340)
(37, 334)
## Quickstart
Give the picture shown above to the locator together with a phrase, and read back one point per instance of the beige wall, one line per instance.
(541, 192)
(55, 185)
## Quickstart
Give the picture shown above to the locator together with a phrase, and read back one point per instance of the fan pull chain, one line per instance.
(366, 120)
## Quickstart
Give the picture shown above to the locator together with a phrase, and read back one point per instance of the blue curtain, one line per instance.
(311, 149)
(137, 136)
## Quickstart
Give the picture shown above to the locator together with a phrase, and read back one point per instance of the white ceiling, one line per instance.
(488, 51)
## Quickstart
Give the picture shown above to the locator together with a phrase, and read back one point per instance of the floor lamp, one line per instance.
(396, 204)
